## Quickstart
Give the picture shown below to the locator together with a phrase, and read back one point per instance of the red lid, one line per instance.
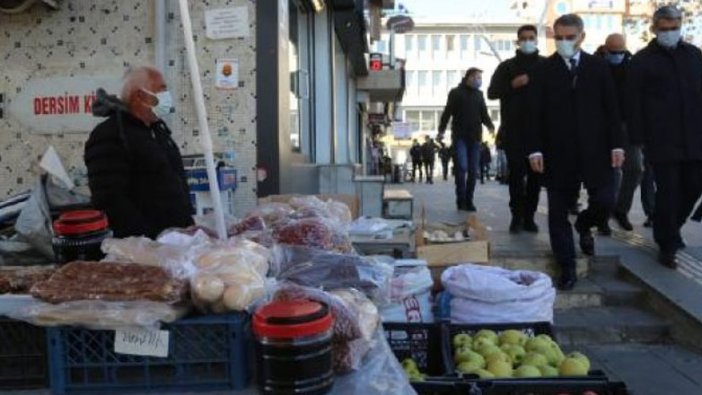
(291, 319)
(79, 222)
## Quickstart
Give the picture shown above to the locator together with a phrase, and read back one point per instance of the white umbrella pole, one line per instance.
(205, 137)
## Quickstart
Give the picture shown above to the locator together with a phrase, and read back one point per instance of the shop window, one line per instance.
(300, 59)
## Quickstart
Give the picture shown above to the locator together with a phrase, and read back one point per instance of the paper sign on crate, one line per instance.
(142, 341)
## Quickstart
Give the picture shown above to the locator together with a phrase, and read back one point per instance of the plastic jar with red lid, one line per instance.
(78, 236)
(293, 344)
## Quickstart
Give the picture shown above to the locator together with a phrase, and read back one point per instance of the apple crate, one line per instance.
(419, 342)
(206, 353)
(23, 355)
(591, 385)
(531, 329)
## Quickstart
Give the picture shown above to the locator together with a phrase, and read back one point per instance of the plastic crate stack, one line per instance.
(23, 356)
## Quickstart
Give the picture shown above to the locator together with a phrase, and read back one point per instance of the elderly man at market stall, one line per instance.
(135, 169)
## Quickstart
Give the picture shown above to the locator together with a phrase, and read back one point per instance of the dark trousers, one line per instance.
(648, 190)
(429, 170)
(484, 172)
(467, 165)
(445, 168)
(524, 187)
(416, 165)
(679, 185)
(600, 204)
(628, 179)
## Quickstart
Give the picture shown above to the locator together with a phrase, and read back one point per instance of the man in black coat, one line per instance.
(468, 113)
(666, 116)
(575, 137)
(511, 85)
(416, 155)
(445, 156)
(135, 170)
(429, 150)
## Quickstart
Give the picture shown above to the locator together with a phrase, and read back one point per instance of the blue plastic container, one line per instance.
(205, 354)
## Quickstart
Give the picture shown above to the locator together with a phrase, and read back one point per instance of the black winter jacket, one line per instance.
(136, 176)
(665, 102)
(514, 103)
(468, 113)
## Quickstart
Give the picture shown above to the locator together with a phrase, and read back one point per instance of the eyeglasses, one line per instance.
(570, 37)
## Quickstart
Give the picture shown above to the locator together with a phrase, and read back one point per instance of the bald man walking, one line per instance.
(628, 178)
(135, 170)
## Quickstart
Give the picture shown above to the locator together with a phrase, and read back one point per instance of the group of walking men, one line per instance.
(575, 120)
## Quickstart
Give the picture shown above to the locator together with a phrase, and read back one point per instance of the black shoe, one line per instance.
(462, 206)
(587, 243)
(667, 259)
(623, 221)
(471, 207)
(530, 226)
(648, 223)
(604, 229)
(515, 226)
(567, 280)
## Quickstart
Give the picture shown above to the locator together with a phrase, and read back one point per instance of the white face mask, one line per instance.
(164, 105)
(528, 47)
(566, 48)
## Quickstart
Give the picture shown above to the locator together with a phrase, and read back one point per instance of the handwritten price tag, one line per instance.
(142, 341)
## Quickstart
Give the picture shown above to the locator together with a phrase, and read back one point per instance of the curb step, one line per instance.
(609, 325)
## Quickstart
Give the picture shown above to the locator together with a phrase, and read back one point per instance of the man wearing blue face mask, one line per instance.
(135, 170)
(628, 179)
(511, 84)
(575, 137)
(468, 113)
(665, 115)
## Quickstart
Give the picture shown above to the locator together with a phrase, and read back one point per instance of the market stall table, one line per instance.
(398, 243)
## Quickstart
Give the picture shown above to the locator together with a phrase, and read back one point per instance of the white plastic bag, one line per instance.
(484, 294)
(410, 293)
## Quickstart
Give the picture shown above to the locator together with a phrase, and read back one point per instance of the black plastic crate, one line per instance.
(555, 386)
(531, 329)
(23, 356)
(420, 342)
(205, 354)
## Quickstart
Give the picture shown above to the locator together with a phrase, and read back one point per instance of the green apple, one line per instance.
(512, 336)
(462, 340)
(516, 353)
(483, 374)
(557, 356)
(500, 369)
(468, 355)
(498, 356)
(480, 342)
(534, 359)
(548, 371)
(409, 364)
(582, 358)
(535, 343)
(469, 366)
(572, 367)
(545, 337)
(488, 334)
(525, 371)
(487, 349)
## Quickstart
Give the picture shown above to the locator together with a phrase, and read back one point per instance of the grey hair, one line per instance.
(570, 20)
(136, 79)
(667, 12)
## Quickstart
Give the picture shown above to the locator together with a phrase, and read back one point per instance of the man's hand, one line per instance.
(617, 158)
(520, 81)
(537, 163)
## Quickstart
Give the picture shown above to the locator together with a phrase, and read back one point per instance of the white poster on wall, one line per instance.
(402, 130)
(226, 23)
(227, 76)
(60, 104)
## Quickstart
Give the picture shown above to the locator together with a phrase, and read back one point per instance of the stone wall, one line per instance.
(87, 38)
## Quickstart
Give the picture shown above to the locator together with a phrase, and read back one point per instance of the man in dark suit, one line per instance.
(467, 111)
(511, 84)
(666, 116)
(575, 137)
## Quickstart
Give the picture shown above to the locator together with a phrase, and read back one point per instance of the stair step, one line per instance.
(609, 325)
(538, 262)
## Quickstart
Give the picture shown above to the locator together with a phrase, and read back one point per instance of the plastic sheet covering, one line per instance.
(327, 270)
(96, 314)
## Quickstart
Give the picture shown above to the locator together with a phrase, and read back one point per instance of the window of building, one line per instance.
(478, 44)
(598, 22)
(411, 77)
(380, 46)
(453, 78)
(301, 67)
(438, 82)
(610, 22)
(435, 45)
(412, 117)
(428, 121)
(450, 43)
(464, 42)
(409, 43)
(422, 42)
(423, 79)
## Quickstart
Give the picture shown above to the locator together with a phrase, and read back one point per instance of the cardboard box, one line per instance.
(349, 200)
(449, 254)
